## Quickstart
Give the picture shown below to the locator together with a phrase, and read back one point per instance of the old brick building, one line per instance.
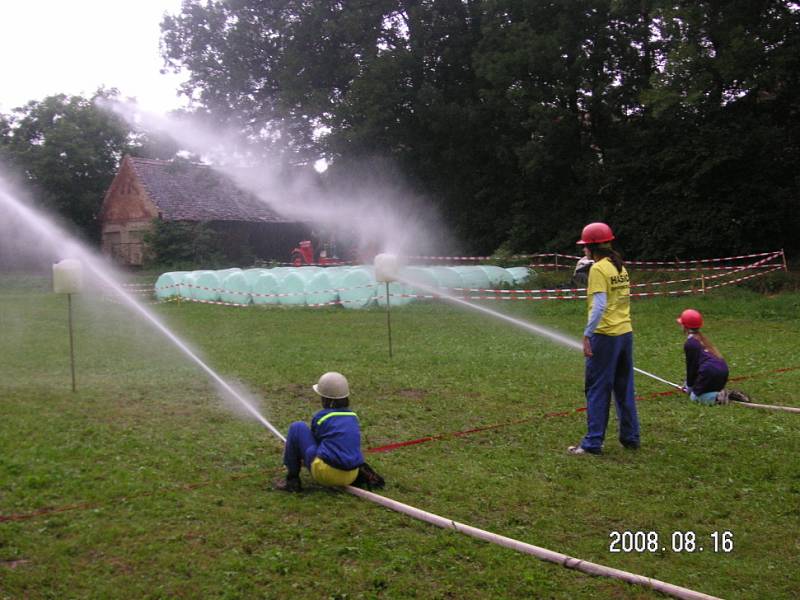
(146, 189)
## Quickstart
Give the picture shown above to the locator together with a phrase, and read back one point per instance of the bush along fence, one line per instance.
(355, 286)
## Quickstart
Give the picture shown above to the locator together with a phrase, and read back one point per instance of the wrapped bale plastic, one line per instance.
(428, 284)
(358, 288)
(336, 272)
(399, 294)
(448, 278)
(235, 289)
(520, 274)
(280, 272)
(252, 274)
(293, 289)
(168, 284)
(473, 277)
(223, 273)
(187, 283)
(320, 289)
(337, 280)
(207, 286)
(308, 271)
(265, 288)
(498, 276)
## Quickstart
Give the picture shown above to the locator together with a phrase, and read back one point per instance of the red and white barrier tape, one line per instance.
(679, 265)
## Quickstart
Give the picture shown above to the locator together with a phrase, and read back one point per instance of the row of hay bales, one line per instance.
(352, 286)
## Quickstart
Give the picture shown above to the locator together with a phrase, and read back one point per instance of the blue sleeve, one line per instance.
(314, 426)
(692, 349)
(599, 301)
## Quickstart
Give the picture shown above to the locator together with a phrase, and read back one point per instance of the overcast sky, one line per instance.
(75, 46)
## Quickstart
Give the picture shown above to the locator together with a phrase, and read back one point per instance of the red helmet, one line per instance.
(596, 233)
(691, 319)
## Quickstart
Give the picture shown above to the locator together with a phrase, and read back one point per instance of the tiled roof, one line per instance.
(185, 191)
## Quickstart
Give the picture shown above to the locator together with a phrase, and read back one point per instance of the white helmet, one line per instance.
(332, 385)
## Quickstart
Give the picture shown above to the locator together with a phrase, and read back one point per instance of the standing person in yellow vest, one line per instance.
(607, 344)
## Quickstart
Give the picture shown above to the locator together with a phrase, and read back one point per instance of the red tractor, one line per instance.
(304, 255)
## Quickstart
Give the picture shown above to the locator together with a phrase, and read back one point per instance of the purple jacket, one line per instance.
(704, 371)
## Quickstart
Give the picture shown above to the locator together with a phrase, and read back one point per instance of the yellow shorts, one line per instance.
(325, 474)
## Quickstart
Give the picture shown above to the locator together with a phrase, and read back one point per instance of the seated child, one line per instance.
(331, 448)
(706, 370)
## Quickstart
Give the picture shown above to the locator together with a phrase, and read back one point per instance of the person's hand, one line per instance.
(587, 347)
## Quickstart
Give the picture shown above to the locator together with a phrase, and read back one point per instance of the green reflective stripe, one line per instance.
(336, 414)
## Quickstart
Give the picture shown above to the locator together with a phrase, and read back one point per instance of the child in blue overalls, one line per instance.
(706, 370)
(331, 448)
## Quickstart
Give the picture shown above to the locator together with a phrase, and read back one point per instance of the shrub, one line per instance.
(182, 244)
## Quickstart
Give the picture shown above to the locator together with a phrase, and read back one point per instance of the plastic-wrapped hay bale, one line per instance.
(308, 271)
(168, 284)
(223, 273)
(498, 276)
(206, 286)
(520, 274)
(265, 288)
(186, 285)
(280, 272)
(399, 294)
(252, 274)
(336, 272)
(337, 275)
(235, 289)
(428, 284)
(293, 289)
(357, 288)
(448, 278)
(474, 277)
(320, 290)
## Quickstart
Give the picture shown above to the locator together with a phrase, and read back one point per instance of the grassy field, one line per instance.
(146, 484)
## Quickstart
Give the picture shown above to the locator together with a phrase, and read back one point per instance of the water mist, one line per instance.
(371, 206)
(47, 232)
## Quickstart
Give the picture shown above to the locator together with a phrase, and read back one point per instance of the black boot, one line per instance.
(290, 484)
(368, 478)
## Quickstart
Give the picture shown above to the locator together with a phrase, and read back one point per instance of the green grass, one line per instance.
(162, 489)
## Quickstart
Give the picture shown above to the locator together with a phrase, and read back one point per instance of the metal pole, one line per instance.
(388, 319)
(71, 344)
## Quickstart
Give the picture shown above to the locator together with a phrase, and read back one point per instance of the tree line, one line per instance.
(521, 120)
(677, 122)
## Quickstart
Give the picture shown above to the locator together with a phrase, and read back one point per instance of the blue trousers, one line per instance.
(300, 448)
(610, 369)
(708, 398)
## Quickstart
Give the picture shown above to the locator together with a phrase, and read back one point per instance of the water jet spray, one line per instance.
(526, 325)
(48, 231)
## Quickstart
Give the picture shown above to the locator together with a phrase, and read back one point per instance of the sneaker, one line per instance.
(737, 396)
(579, 450)
(630, 445)
(290, 484)
(723, 397)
